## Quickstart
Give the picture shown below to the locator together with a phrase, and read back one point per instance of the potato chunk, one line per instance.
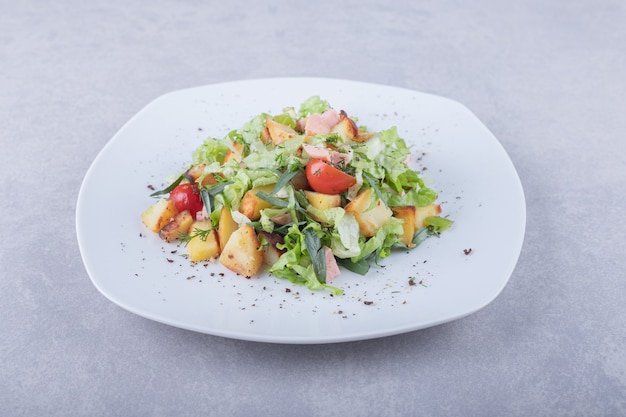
(251, 205)
(178, 226)
(346, 128)
(322, 202)
(194, 173)
(422, 212)
(235, 153)
(241, 253)
(407, 214)
(370, 219)
(226, 227)
(279, 132)
(159, 214)
(204, 245)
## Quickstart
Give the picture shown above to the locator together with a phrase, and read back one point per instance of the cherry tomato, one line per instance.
(185, 197)
(325, 178)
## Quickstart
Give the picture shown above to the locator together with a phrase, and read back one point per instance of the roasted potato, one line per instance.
(159, 214)
(203, 245)
(265, 136)
(251, 205)
(178, 226)
(279, 132)
(234, 153)
(322, 201)
(242, 252)
(226, 226)
(422, 212)
(408, 215)
(346, 128)
(370, 219)
(194, 173)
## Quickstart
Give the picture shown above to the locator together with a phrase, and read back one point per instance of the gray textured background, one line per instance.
(548, 78)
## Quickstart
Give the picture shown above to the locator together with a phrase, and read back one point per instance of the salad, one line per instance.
(301, 194)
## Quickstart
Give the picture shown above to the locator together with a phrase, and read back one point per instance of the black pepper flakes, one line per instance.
(368, 303)
(467, 251)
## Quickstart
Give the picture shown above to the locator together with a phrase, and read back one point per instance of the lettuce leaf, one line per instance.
(313, 105)
(296, 264)
(212, 150)
(418, 198)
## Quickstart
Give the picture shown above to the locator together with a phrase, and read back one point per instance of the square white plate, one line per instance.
(477, 184)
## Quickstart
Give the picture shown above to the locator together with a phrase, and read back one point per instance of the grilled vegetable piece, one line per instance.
(370, 218)
(234, 153)
(226, 226)
(203, 245)
(279, 132)
(364, 136)
(251, 205)
(408, 215)
(346, 128)
(422, 212)
(159, 214)
(194, 173)
(178, 226)
(322, 202)
(242, 252)
(265, 136)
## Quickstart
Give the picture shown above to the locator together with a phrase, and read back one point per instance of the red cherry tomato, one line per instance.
(185, 197)
(325, 178)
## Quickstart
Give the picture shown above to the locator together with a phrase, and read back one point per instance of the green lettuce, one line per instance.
(296, 264)
(212, 150)
(313, 105)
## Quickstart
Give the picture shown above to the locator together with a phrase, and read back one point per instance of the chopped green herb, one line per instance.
(169, 188)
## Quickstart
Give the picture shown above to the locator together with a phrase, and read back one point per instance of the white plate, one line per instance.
(477, 184)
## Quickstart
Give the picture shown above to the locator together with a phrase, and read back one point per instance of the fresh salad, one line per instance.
(302, 194)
